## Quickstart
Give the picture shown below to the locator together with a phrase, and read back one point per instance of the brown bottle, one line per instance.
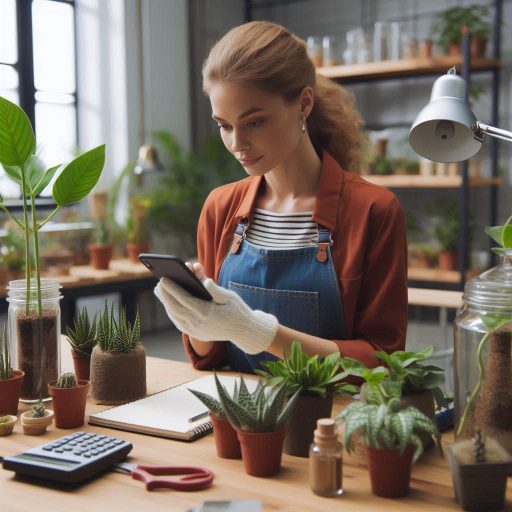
(325, 460)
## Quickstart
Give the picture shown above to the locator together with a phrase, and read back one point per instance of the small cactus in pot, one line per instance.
(36, 420)
(69, 397)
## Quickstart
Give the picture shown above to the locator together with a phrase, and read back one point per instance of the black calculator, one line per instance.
(70, 459)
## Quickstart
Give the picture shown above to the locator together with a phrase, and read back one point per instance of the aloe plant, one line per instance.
(66, 380)
(308, 375)
(74, 182)
(37, 410)
(212, 404)
(82, 336)
(6, 370)
(258, 411)
(117, 335)
(386, 426)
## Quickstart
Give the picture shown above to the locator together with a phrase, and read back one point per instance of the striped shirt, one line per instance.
(282, 230)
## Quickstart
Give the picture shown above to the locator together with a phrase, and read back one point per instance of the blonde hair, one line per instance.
(268, 56)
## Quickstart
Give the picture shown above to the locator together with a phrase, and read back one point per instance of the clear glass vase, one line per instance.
(35, 337)
(483, 355)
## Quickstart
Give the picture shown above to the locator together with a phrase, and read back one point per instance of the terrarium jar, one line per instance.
(483, 357)
(35, 338)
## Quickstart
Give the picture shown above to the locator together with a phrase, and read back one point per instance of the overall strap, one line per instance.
(239, 235)
(324, 241)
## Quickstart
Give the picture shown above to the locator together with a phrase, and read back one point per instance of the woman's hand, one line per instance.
(198, 270)
(227, 317)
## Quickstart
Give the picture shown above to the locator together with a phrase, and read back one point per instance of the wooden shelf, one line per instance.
(419, 181)
(390, 69)
(434, 298)
(440, 276)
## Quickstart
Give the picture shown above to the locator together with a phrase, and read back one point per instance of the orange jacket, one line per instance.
(369, 254)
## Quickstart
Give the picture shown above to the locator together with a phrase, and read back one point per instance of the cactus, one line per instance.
(5, 419)
(6, 370)
(479, 447)
(117, 336)
(82, 336)
(37, 410)
(66, 380)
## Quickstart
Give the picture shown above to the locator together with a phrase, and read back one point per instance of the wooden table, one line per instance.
(287, 491)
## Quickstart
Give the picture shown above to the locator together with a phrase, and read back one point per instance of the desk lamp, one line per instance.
(446, 130)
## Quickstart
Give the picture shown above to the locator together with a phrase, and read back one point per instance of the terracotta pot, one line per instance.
(118, 377)
(302, 423)
(478, 47)
(10, 390)
(424, 402)
(133, 251)
(226, 441)
(479, 487)
(447, 260)
(82, 365)
(6, 427)
(261, 451)
(69, 404)
(100, 255)
(36, 426)
(454, 49)
(426, 49)
(390, 472)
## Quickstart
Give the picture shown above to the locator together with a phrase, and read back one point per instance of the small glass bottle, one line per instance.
(325, 460)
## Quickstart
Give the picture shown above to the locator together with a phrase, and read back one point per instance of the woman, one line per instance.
(301, 249)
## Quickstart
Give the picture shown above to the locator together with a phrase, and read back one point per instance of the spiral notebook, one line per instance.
(174, 413)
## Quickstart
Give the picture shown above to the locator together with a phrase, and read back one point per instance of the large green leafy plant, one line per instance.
(307, 375)
(74, 181)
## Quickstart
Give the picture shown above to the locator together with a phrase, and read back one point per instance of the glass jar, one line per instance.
(315, 50)
(483, 357)
(330, 51)
(35, 338)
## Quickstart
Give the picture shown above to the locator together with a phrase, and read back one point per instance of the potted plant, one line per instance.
(100, 251)
(69, 396)
(36, 420)
(390, 435)
(10, 380)
(316, 380)
(227, 444)
(446, 230)
(118, 361)
(11, 256)
(480, 468)
(82, 338)
(7, 424)
(259, 419)
(36, 330)
(448, 25)
(137, 229)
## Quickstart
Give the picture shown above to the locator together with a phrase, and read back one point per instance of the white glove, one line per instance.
(227, 317)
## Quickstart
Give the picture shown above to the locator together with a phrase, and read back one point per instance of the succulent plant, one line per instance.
(117, 335)
(5, 419)
(213, 405)
(308, 375)
(37, 410)
(6, 370)
(82, 336)
(66, 380)
(258, 411)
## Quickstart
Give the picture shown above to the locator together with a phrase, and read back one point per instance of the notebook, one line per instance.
(167, 413)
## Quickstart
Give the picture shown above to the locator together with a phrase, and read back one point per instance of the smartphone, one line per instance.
(163, 265)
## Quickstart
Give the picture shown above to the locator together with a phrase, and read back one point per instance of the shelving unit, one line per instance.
(418, 181)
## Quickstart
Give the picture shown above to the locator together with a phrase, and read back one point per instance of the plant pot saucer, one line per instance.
(6, 428)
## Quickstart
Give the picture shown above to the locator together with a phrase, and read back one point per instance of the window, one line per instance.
(38, 72)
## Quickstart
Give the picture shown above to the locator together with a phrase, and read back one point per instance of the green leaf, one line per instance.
(13, 172)
(501, 235)
(79, 177)
(45, 179)
(34, 172)
(494, 322)
(17, 140)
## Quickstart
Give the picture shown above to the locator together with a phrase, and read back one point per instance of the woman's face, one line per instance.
(261, 130)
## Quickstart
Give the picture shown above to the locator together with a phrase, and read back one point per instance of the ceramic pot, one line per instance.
(69, 404)
(390, 471)
(261, 451)
(100, 255)
(302, 423)
(479, 487)
(82, 365)
(226, 440)
(10, 390)
(118, 377)
(133, 251)
(6, 427)
(447, 260)
(36, 426)
(477, 47)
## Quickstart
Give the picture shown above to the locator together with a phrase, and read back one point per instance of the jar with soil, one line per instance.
(483, 356)
(35, 336)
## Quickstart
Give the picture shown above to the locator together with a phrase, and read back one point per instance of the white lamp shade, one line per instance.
(442, 131)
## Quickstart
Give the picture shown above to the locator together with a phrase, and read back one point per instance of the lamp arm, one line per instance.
(482, 129)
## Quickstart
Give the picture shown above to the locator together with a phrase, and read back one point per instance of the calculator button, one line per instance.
(58, 450)
(87, 454)
(78, 452)
(101, 436)
(102, 450)
(67, 448)
(118, 441)
(48, 447)
(95, 452)
(72, 443)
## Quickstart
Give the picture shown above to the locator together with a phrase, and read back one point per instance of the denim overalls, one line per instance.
(298, 286)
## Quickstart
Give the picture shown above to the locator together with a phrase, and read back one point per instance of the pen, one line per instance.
(198, 416)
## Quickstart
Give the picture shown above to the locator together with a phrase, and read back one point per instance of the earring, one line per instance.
(303, 128)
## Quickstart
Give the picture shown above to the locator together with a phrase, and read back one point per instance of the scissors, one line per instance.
(192, 479)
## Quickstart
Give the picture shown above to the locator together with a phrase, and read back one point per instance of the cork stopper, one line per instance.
(326, 433)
